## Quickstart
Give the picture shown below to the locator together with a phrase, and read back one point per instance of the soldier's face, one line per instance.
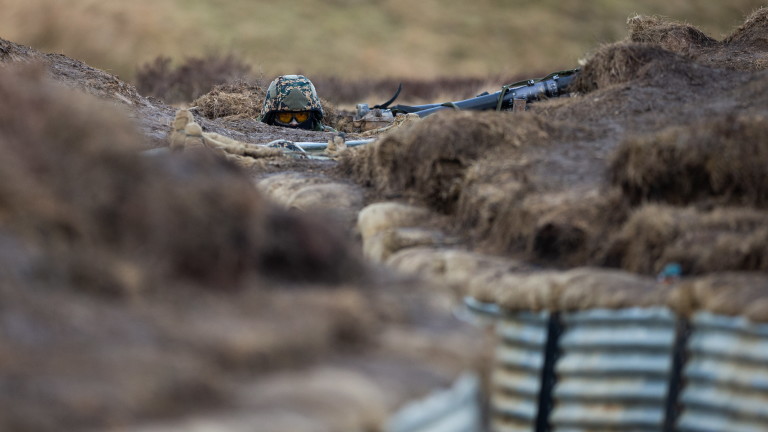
(293, 119)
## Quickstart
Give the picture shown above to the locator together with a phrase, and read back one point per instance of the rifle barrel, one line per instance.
(553, 85)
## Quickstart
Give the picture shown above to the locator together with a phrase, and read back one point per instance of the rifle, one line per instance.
(553, 85)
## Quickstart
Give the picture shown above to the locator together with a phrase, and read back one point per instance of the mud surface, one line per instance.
(163, 292)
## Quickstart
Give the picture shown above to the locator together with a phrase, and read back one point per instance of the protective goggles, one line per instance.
(286, 117)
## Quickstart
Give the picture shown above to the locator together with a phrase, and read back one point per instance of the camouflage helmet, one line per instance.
(291, 93)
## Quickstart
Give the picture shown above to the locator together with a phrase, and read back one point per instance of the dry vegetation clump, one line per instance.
(189, 80)
(510, 205)
(745, 49)
(240, 99)
(428, 160)
(562, 228)
(336, 118)
(673, 36)
(12, 52)
(620, 63)
(569, 228)
(488, 186)
(721, 160)
(752, 34)
(722, 239)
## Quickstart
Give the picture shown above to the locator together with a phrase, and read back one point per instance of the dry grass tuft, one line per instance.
(721, 160)
(240, 99)
(428, 159)
(619, 63)
(673, 36)
(752, 33)
(724, 239)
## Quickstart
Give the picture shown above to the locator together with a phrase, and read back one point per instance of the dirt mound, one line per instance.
(721, 160)
(700, 241)
(620, 63)
(429, 158)
(239, 99)
(745, 49)
(673, 36)
(753, 33)
(507, 209)
(336, 118)
(655, 44)
(564, 229)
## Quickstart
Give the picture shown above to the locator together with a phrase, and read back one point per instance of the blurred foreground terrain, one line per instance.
(189, 291)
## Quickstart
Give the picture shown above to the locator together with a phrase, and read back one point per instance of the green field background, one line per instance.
(348, 38)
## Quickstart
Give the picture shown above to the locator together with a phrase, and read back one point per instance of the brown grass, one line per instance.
(746, 48)
(670, 35)
(237, 99)
(428, 160)
(619, 63)
(701, 241)
(752, 33)
(720, 160)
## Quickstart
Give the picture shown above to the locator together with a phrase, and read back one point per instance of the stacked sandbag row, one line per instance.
(592, 349)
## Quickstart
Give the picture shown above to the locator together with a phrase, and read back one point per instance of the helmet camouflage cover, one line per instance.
(291, 93)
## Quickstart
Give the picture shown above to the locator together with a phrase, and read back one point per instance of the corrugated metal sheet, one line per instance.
(456, 409)
(517, 376)
(614, 370)
(726, 376)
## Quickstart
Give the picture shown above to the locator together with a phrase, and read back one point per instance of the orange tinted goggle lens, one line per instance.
(286, 117)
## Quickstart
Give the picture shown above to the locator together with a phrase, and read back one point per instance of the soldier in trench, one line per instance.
(292, 101)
